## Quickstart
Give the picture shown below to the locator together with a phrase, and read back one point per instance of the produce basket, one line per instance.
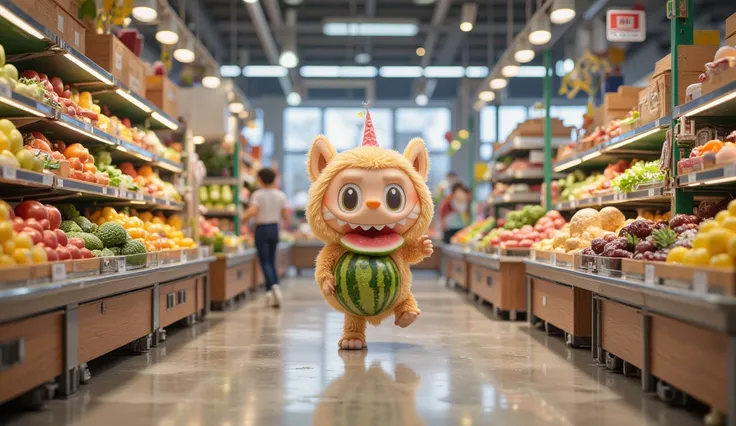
(565, 260)
(541, 256)
(83, 267)
(702, 280)
(610, 266)
(585, 263)
(166, 257)
(26, 274)
(633, 269)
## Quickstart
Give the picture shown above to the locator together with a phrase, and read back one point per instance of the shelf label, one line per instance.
(626, 25)
(700, 282)
(118, 61)
(47, 179)
(183, 256)
(553, 259)
(649, 274)
(58, 272)
(60, 23)
(9, 173)
(203, 251)
(60, 183)
(5, 91)
(533, 255)
(121, 263)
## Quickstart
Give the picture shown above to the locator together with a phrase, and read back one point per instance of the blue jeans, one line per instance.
(267, 238)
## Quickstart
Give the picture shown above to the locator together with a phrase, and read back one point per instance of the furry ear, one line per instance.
(319, 155)
(418, 156)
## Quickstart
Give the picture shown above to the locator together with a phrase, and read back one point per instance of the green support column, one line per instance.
(547, 129)
(496, 138)
(233, 129)
(681, 33)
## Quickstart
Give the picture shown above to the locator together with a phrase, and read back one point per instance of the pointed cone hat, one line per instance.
(369, 134)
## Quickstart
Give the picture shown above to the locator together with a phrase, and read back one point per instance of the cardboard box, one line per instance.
(731, 41)
(616, 101)
(731, 26)
(629, 91)
(136, 74)
(57, 18)
(690, 59)
(70, 6)
(164, 94)
(109, 53)
(656, 100)
(720, 79)
(72, 31)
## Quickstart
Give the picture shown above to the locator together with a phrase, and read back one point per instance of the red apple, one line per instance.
(33, 223)
(36, 236)
(45, 224)
(74, 252)
(511, 244)
(51, 254)
(526, 243)
(50, 239)
(77, 242)
(18, 224)
(86, 254)
(31, 209)
(30, 74)
(63, 253)
(43, 77)
(61, 237)
(54, 216)
(559, 223)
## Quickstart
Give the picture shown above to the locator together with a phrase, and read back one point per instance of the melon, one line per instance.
(376, 246)
(366, 285)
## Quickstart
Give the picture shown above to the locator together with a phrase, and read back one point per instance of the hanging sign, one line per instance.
(626, 25)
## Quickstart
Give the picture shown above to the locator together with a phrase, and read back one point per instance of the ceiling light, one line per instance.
(363, 58)
(540, 33)
(230, 71)
(400, 72)
(444, 72)
(467, 16)
(211, 81)
(563, 11)
(294, 99)
(145, 10)
(524, 52)
(357, 72)
(421, 51)
(497, 83)
(476, 72)
(288, 59)
(265, 71)
(293, 2)
(317, 71)
(383, 27)
(486, 96)
(236, 107)
(510, 71)
(167, 32)
(197, 140)
(184, 51)
(251, 1)
(421, 99)
(531, 71)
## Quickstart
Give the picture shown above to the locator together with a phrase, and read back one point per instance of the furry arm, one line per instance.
(411, 251)
(326, 261)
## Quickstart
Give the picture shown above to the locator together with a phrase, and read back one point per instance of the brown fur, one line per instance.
(323, 165)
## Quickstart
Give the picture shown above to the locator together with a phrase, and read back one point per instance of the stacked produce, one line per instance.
(218, 197)
(210, 234)
(526, 235)
(577, 187)
(713, 153)
(713, 244)
(640, 173)
(473, 232)
(585, 226)
(527, 215)
(154, 232)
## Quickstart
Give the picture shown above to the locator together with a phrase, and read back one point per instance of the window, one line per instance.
(300, 126)
(430, 124)
(508, 118)
(253, 130)
(344, 127)
(570, 115)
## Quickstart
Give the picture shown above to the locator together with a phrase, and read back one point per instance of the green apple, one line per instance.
(26, 159)
(10, 71)
(16, 141)
(6, 126)
(7, 159)
(37, 164)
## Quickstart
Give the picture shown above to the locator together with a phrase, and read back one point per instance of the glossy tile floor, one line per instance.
(258, 367)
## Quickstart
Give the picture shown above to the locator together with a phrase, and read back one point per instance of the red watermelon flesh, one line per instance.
(377, 246)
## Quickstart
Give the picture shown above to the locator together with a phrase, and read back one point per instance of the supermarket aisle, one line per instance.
(260, 367)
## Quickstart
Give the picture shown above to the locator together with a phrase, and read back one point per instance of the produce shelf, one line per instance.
(645, 141)
(14, 105)
(21, 33)
(718, 103)
(126, 103)
(639, 198)
(529, 175)
(214, 180)
(520, 145)
(219, 212)
(525, 197)
(710, 178)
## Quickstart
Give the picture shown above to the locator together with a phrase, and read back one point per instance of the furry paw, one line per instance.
(353, 344)
(328, 286)
(407, 318)
(427, 246)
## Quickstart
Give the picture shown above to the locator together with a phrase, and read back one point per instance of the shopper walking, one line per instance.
(454, 211)
(268, 207)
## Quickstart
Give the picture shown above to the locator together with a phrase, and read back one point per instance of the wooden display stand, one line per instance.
(564, 307)
(499, 281)
(456, 266)
(304, 253)
(231, 275)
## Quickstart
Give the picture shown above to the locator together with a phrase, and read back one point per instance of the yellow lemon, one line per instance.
(722, 216)
(732, 208)
(722, 260)
(701, 240)
(708, 225)
(718, 240)
(730, 223)
(6, 261)
(697, 257)
(6, 231)
(23, 241)
(22, 256)
(677, 255)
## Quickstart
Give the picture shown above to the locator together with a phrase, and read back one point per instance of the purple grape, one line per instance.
(644, 246)
(609, 237)
(589, 252)
(639, 256)
(598, 245)
(682, 228)
(660, 225)
(617, 244)
(622, 254)
(649, 256)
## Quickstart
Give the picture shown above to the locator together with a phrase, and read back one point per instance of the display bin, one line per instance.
(231, 275)
(499, 281)
(178, 300)
(564, 307)
(304, 254)
(456, 267)
(621, 331)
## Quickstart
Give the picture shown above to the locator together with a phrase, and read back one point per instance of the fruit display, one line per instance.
(473, 232)
(211, 234)
(155, 232)
(715, 152)
(713, 242)
(527, 215)
(585, 226)
(218, 197)
(640, 173)
(576, 186)
(527, 235)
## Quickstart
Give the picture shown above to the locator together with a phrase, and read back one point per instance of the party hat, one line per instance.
(369, 134)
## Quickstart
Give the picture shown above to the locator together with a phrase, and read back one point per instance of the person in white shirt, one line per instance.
(268, 207)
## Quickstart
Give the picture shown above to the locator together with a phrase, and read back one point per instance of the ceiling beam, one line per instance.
(208, 33)
(267, 41)
(316, 28)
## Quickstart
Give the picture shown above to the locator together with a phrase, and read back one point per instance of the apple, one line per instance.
(45, 224)
(61, 237)
(63, 253)
(33, 223)
(559, 223)
(30, 74)
(50, 239)
(526, 228)
(31, 209)
(76, 242)
(74, 251)
(54, 216)
(511, 244)
(36, 237)
(526, 243)
(51, 254)
(86, 254)
(43, 77)
(18, 224)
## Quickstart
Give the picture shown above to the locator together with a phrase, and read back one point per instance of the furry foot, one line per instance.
(427, 246)
(407, 318)
(354, 344)
(328, 287)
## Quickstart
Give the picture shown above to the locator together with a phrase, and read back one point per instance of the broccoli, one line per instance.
(68, 211)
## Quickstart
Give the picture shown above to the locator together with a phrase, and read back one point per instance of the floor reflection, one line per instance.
(367, 394)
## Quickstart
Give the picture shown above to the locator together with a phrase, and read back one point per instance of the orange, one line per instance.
(6, 231)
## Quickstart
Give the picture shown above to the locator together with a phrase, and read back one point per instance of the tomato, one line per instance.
(31, 209)
(78, 151)
(90, 177)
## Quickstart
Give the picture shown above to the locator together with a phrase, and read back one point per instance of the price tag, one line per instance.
(121, 263)
(652, 192)
(60, 23)
(203, 252)
(139, 196)
(649, 274)
(47, 179)
(533, 255)
(58, 272)
(590, 266)
(9, 173)
(553, 258)
(5, 91)
(183, 256)
(700, 282)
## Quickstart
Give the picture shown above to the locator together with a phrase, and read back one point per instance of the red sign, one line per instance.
(626, 25)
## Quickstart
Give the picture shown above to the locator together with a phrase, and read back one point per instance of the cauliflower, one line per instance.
(575, 243)
(611, 218)
(582, 220)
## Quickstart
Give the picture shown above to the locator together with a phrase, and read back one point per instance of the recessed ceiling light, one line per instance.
(510, 71)
(264, 71)
(383, 27)
(421, 51)
(294, 99)
(145, 11)
(421, 99)
(363, 58)
(497, 83)
(563, 11)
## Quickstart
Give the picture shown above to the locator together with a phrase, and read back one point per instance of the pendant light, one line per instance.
(236, 107)
(294, 99)
(498, 83)
(486, 96)
(184, 51)
(563, 11)
(510, 70)
(524, 52)
(540, 33)
(145, 11)
(468, 14)
(167, 31)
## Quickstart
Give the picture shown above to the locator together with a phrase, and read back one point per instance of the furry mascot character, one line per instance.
(372, 208)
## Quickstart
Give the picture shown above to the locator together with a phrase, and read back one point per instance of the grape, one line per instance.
(617, 244)
(660, 225)
(589, 252)
(660, 256)
(639, 256)
(640, 228)
(622, 254)
(649, 255)
(598, 245)
(644, 246)
(682, 228)
(609, 237)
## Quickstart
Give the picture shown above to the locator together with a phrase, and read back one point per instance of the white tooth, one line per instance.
(328, 215)
(379, 227)
(413, 215)
(340, 222)
(391, 225)
(402, 221)
(352, 225)
(415, 209)
(365, 227)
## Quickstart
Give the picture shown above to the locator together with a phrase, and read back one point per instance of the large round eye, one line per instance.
(349, 197)
(394, 196)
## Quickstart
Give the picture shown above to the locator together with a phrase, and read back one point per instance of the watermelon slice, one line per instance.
(381, 245)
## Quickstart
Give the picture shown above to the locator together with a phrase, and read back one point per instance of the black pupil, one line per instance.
(393, 198)
(350, 199)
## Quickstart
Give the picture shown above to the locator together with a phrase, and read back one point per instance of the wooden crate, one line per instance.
(567, 308)
(41, 337)
(177, 300)
(107, 324)
(690, 358)
(621, 331)
(731, 27)
(698, 279)
(164, 93)
(108, 52)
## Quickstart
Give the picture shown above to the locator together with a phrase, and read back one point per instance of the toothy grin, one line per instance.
(328, 215)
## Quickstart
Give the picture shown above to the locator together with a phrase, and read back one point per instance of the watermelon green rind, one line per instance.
(366, 285)
(377, 246)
